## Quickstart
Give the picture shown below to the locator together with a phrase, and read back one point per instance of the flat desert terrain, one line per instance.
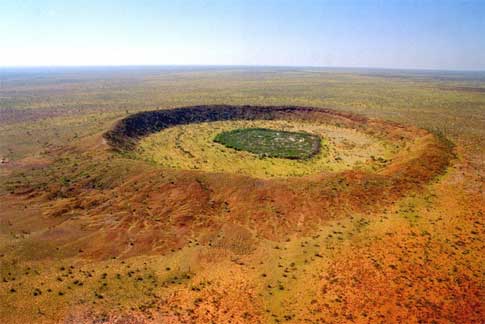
(241, 195)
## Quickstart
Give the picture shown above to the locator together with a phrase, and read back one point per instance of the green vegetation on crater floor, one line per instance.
(271, 143)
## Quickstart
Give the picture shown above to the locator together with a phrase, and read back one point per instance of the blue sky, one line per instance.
(423, 34)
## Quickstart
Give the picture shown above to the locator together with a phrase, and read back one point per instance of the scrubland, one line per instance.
(159, 235)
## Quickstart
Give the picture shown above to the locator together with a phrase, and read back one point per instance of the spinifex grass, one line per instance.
(417, 258)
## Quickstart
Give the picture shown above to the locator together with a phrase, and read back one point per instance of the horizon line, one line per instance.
(238, 66)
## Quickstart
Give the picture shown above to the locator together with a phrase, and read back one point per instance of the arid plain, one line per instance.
(384, 224)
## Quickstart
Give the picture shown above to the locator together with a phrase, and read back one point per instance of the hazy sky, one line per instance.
(439, 34)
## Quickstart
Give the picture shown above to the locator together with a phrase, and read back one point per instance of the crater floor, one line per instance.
(192, 147)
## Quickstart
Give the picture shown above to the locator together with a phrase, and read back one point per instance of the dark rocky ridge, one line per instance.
(127, 132)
